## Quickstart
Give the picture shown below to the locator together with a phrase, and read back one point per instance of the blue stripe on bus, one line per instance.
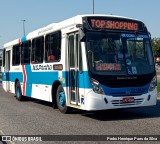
(126, 91)
(4, 78)
(28, 81)
(11, 76)
(84, 81)
(47, 78)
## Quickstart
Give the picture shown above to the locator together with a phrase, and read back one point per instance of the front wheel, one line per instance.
(18, 91)
(61, 100)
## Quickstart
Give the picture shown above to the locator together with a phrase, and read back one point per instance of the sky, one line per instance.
(40, 13)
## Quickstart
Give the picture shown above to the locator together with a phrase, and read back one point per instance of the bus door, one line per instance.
(7, 69)
(75, 78)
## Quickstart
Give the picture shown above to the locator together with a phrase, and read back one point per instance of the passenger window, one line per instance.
(16, 55)
(53, 47)
(25, 52)
(37, 50)
(80, 59)
(4, 52)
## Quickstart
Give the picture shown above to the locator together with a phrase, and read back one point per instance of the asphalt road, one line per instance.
(34, 117)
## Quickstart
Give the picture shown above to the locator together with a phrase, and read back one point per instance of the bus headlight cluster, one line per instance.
(96, 86)
(153, 84)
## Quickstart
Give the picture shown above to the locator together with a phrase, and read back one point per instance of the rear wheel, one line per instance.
(61, 100)
(18, 91)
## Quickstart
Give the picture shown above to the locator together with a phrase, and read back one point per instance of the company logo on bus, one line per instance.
(113, 24)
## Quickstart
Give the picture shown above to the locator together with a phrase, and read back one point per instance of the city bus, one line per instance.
(88, 62)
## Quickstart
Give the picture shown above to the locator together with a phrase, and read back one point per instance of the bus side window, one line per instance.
(4, 52)
(16, 55)
(80, 60)
(25, 52)
(53, 46)
(37, 50)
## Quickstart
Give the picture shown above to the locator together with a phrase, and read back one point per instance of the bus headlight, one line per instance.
(153, 84)
(96, 86)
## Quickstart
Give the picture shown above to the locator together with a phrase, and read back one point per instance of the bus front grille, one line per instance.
(137, 101)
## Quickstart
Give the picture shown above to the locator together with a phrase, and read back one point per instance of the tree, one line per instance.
(156, 46)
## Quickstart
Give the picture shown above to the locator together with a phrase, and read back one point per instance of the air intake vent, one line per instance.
(120, 102)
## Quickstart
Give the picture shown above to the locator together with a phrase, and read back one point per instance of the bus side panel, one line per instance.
(10, 77)
(84, 87)
(4, 80)
(13, 77)
(39, 82)
(28, 91)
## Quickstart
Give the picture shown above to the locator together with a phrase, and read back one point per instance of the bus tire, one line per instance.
(18, 91)
(61, 100)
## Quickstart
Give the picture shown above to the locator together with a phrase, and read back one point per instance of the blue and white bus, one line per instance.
(89, 62)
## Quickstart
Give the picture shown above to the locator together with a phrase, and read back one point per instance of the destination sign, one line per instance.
(112, 23)
(96, 23)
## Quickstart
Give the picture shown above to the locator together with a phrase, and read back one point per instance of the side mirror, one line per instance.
(149, 34)
(82, 35)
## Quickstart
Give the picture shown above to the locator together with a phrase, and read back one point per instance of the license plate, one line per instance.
(128, 100)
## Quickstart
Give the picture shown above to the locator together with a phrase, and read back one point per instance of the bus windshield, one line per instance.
(119, 53)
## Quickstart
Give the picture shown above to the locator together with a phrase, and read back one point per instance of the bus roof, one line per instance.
(14, 42)
(57, 26)
(67, 23)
